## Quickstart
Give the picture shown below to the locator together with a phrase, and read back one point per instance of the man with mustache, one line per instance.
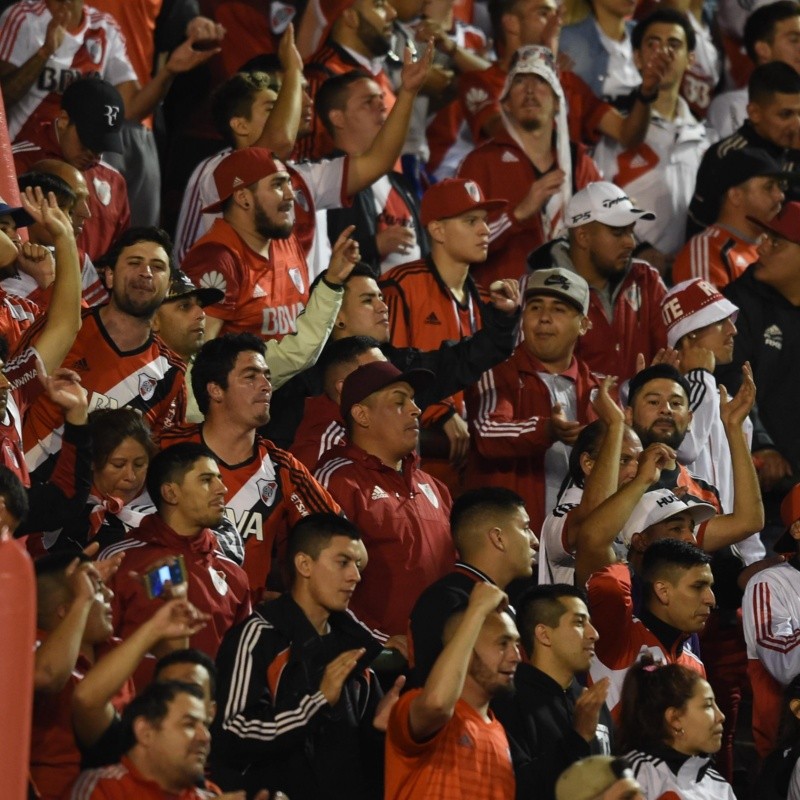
(119, 360)
(402, 511)
(624, 293)
(361, 38)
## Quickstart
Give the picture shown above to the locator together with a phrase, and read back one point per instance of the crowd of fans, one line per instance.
(395, 396)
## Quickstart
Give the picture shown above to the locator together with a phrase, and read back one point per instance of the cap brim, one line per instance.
(770, 229)
(214, 208)
(621, 218)
(20, 216)
(206, 296)
(109, 142)
(417, 379)
(536, 292)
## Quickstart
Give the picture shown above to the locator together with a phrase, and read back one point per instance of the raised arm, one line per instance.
(433, 708)
(381, 157)
(64, 313)
(748, 508)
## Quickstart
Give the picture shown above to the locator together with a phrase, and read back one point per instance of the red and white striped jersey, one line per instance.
(150, 379)
(717, 255)
(96, 48)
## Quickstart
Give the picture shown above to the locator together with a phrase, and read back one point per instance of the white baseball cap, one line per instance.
(604, 202)
(693, 304)
(661, 504)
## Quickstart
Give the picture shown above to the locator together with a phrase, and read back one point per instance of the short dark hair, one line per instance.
(52, 586)
(48, 182)
(217, 358)
(648, 691)
(313, 533)
(14, 494)
(130, 237)
(189, 655)
(110, 427)
(589, 440)
(654, 373)
(4, 348)
(235, 97)
(345, 351)
(668, 16)
(542, 606)
(334, 93)
(478, 502)
(171, 465)
(153, 704)
(760, 25)
(767, 80)
(663, 557)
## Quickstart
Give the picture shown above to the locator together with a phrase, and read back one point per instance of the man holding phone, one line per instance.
(186, 487)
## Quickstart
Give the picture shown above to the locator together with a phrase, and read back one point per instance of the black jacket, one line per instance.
(538, 721)
(705, 206)
(769, 338)
(274, 729)
(455, 364)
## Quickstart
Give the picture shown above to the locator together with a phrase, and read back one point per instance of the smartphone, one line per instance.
(175, 573)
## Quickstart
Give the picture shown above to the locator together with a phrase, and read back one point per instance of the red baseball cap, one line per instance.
(453, 197)
(786, 224)
(377, 375)
(241, 168)
(790, 513)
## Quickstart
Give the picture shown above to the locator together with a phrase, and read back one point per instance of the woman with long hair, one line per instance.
(669, 728)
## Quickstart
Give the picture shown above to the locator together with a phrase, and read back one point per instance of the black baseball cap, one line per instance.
(20, 216)
(98, 112)
(180, 286)
(738, 166)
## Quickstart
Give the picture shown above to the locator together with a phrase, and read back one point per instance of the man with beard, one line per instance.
(119, 360)
(442, 739)
(624, 294)
(531, 161)
(361, 38)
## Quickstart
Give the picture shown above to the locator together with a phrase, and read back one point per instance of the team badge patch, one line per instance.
(219, 581)
(297, 279)
(426, 489)
(94, 47)
(473, 191)
(147, 386)
(267, 491)
(103, 190)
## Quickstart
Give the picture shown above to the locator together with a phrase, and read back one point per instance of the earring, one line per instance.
(678, 731)
(340, 324)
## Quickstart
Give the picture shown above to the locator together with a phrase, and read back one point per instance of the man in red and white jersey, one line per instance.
(45, 45)
(87, 124)
(245, 109)
(677, 603)
(268, 489)
(771, 618)
(119, 360)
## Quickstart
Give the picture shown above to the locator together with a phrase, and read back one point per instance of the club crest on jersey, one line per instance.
(94, 47)
(426, 489)
(297, 279)
(267, 491)
(301, 199)
(219, 580)
(147, 386)
(103, 191)
(280, 15)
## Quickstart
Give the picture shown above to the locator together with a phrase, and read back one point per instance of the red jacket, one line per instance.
(320, 429)
(502, 169)
(509, 412)
(404, 518)
(217, 585)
